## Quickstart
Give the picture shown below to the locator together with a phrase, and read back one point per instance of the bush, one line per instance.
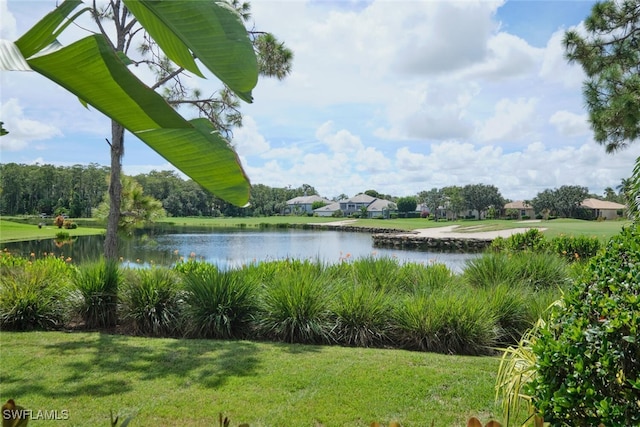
(295, 307)
(362, 316)
(97, 294)
(151, 302)
(588, 356)
(69, 225)
(34, 295)
(534, 270)
(574, 248)
(219, 304)
(447, 321)
(530, 240)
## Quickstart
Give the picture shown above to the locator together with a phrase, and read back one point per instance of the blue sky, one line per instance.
(396, 96)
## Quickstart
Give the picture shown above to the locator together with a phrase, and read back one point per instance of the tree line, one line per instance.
(79, 190)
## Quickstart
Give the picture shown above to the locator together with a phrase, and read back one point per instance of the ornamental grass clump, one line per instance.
(218, 304)
(379, 273)
(151, 302)
(588, 355)
(295, 307)
(363, 316)
(489, 270)
(34, 295)
(534, 270)
(96, 294)
(447, 321)
(415, 278)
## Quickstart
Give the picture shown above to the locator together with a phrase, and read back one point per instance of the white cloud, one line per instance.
(512, 120)
(22, 130)
(570, 124)
(247, 140)
(555, 67)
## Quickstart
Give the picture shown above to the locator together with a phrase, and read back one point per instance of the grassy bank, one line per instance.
(26, 228)
(11, 231)
(189, 382)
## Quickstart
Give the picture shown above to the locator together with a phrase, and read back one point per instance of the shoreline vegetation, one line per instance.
(13, 229)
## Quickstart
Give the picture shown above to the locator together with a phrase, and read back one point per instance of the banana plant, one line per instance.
(91, 69)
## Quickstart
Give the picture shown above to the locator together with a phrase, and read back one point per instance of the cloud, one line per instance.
(512, 120)
(247, 140)
(555, 67)
(8, 28)
(570, 124)
(22, 130)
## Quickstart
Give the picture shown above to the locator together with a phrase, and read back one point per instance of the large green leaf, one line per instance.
(45, 31)
(91, 70)
(211, 30)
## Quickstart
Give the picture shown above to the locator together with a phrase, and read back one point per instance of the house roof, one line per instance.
(329, 208)
(378, 205)
(359, 198)
(518, 204)
(601, 204)
(303, 200)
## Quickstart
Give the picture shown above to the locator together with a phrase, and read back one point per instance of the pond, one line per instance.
(234, 248)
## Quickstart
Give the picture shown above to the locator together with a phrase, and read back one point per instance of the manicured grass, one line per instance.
(13, 231)
(189, 382)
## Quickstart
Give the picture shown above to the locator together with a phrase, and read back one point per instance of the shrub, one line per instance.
(513, 309)
(530, 240)
(151, 302)
(69, 225)
(588, 356)
(540, 270)
(218, 304)
(97, 293)
(295, 308)
(445, 322)
(33, 295)
(489, 270)
(378, 273)
(362, 316)
(574, 248)
(414, 278)
(536, 270)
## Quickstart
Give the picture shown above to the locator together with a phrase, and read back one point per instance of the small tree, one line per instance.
(407, 204)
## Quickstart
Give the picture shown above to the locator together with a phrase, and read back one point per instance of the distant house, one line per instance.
(327, 210)
(603, 209)
(304, 204)
(375, 207)
(524, 209)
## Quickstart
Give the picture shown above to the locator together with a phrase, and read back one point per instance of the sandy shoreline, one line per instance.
(449, 231)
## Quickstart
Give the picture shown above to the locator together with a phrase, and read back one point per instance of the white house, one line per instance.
(303, 204)
(604, 209)
(375, 207)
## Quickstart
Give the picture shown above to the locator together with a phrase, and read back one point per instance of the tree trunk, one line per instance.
(115, 191)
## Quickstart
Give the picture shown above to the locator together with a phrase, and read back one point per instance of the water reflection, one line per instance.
(234, 248)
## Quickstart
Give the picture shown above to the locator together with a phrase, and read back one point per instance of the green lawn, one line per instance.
(11, 231)
(169, 382)
(16, 231)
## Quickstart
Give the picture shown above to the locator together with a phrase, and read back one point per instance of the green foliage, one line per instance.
(150, 302)
(534, 270)
(34, 295)
(407, 204)
(362, 316)
(588, 356)
(530, 240)
(575, 248)
(608, 52)
(446, 321)
(295, 306)
(218, 304)
(97, 286)
(69, 225)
